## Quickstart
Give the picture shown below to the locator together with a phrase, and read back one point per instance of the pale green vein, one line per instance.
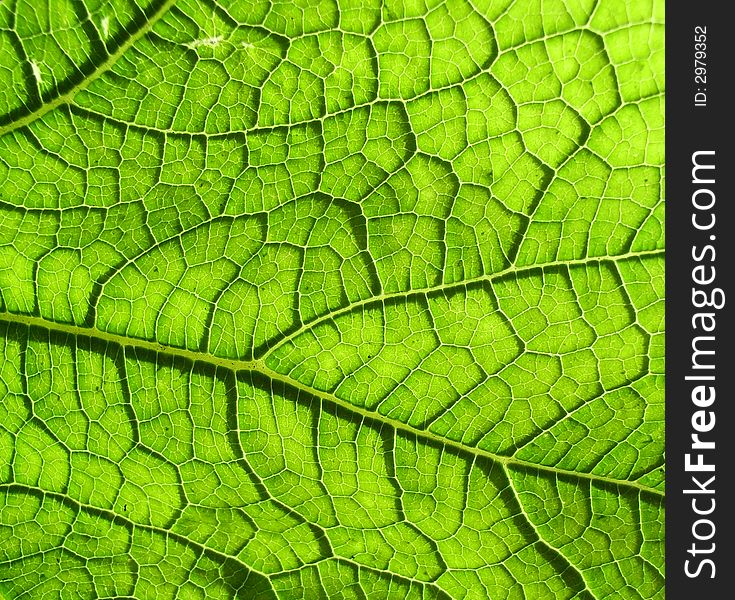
(449, 287)
(128, 342)
(259, 365)
(543, 540)
(104, 66)
(449, 443)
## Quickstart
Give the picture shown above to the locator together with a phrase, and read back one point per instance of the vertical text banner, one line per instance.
(699, 416)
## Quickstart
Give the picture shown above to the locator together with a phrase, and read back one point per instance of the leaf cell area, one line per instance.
(331, 299)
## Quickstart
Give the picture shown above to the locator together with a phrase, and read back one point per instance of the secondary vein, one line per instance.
(512, 269)
(259, 366)
(105, 65)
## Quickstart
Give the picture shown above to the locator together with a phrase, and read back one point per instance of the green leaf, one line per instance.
(331, 299)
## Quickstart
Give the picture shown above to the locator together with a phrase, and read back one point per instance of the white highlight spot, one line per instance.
(210, 42)
(36, 70)
(105, 23)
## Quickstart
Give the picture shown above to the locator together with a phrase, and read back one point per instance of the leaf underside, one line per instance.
(334, 299)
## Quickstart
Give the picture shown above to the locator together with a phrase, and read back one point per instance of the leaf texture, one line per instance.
(336, 299)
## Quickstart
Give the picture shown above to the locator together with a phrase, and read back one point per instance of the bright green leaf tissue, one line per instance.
(331, 300)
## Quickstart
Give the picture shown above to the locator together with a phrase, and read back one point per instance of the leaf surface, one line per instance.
(331, 300)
